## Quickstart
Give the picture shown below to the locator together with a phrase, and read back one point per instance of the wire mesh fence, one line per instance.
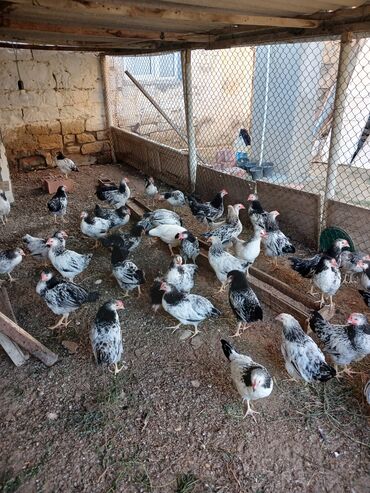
(295, 116)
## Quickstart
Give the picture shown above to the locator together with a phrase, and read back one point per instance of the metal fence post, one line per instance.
(343, 78)
(108, 112)
(188, 102)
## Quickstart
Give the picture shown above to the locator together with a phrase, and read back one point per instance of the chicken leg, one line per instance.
(63, 321)
(170, 247)
(139, 293)
(250, 411)
(174, 327)
(11, 279)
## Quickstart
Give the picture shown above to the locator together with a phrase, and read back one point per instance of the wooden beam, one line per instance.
(9, 25)
(194, 15)
(24, 339)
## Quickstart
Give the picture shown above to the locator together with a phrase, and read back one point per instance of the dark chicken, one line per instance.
(128, 275)
(113, 195)
(57, 205)
(207, 212)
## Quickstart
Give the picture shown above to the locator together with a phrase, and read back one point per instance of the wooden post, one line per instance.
(188, 102)
(108, 112)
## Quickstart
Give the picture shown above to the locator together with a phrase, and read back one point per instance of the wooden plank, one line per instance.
(24, 339)
(4, 186)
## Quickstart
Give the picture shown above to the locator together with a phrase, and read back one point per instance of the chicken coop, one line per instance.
(269, 100)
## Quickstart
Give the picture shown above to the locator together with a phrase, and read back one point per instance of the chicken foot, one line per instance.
(250, 412)
(63, 321)
(174, 327)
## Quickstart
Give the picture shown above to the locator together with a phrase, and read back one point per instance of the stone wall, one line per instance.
(61, 108)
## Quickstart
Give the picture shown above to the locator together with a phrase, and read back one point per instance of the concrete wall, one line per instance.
(62, 107)
(5, 184)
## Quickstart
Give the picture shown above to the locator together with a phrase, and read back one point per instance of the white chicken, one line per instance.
(94, 227)
(150, 189)
(181, 275)
(327, 278)
(4, 207)
(250, 249)
(67, 262)
(167, 233)
(65, 164)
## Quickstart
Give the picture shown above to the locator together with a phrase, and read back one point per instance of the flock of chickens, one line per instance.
(304, 360)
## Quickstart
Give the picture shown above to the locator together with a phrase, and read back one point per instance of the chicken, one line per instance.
(250, 249)
(188, 309)
(150, 189)
(231, 229)
(117, 217)
(130, 240)
(223, 262)
(4, 207)
(327, 278)
(277, 244)
(57, 205)
(365, 276)
(167, 233)
(345, 344)
(62, 297)
(251, 379)
(106, 336)
(67, 262)
(94, 227)
(243, 301)
(207, 212)
(113, 195)
(366, 297)
(153, 219)
(306, 266)
(128, 275)
(259, 217)
(367, 392)
(181, 276)
(156, 294)
(348, 263)
(38, 247)
(65, 164)
(175, 198)
(303, 358)
(9, 259)
(189, 246)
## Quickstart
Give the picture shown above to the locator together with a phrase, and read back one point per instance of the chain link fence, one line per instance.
(264, 115)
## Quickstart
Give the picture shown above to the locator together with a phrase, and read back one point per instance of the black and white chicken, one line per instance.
(365, 276)
(175, 198)
(327, 278)
(231, 229)
(106, 336)
(65, 164)
(366, 296)
(367, 392)
(345, 344)
(349, 264)
(189, 246)
(156, 294)
(158, 217)
(168, 234)
(207, 212)
(63, 297)
(9, 259)
(181, 276)
(38, 247)
(94, 227)
(117, 217)
(277, 244)
(67, 262)
(57, 205)
(259, 217)
(303, 358)
(150, 189)
(129, 240)
(188, 309)
(223, 262)
(243, 301)
(113, 195)
(4, 207)
(251, 379)
(249, 250)
(128, 275)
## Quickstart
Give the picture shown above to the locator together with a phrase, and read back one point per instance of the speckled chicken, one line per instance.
(223, 262)
(63, 297)
(250, 249)
(243, 301)
(327, 278)
(175, 198)
(349, 264)
(366, 296)
(304, 360)
(167, 233)
(207, 212)
(150, 189)
(277, 244)
(116, 217)
(9, 259)
(189, 246)
(38, 247)
(188, 309)
(65, 164)
(94, 227)
(106, 336)
(4, 207)
(153, 219)
(128, 275)
(251, 379)
(365, 276)
(260, 218)
(57, 205)
(67, 262)
(345, 344)
(113, 195)
(367, 392)
(156, 294)
(181, 276)
(130, 240)
(231, 229)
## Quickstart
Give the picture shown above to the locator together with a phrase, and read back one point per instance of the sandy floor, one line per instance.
(172, 422)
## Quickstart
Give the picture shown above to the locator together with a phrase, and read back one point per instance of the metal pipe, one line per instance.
(108, 113)
(265, 105)
(188, 102)
(159, 109)
(343, 78)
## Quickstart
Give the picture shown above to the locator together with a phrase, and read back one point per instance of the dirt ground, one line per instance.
(172, 422)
